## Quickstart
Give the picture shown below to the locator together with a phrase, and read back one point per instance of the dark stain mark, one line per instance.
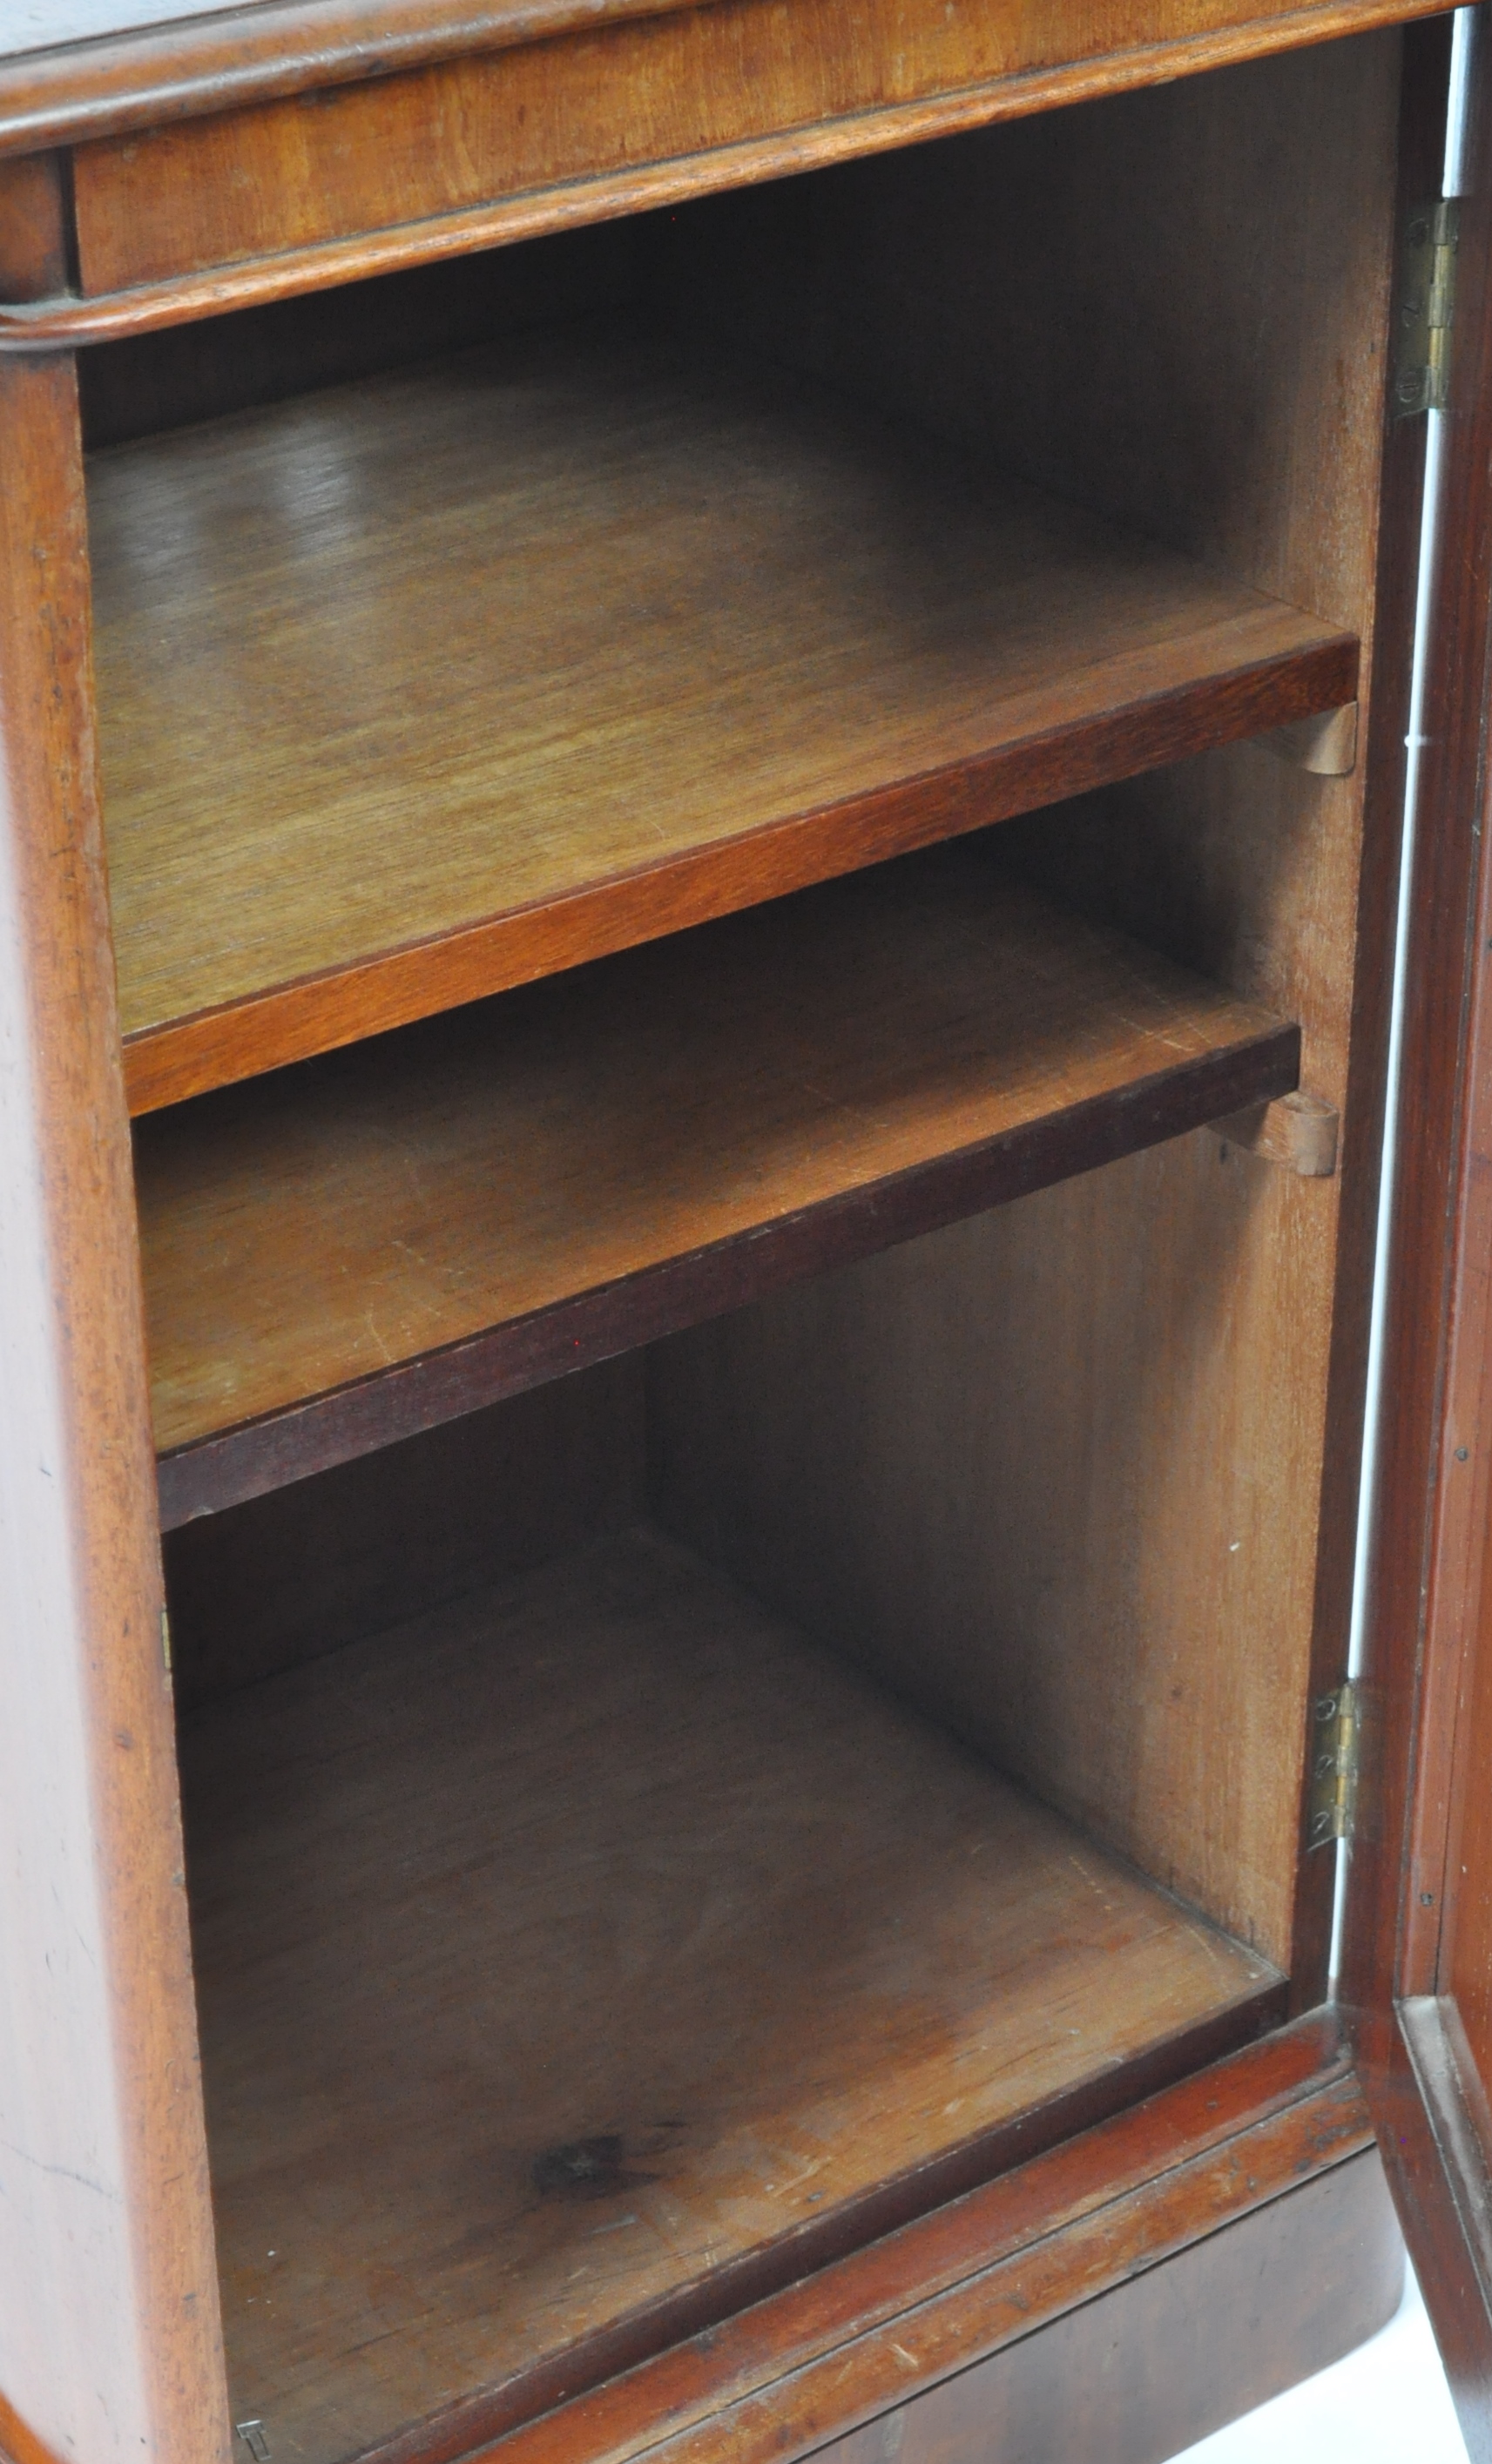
(584, 2168)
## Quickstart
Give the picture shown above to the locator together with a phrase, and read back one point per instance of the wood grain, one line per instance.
(1437, 2108)
(136, 64)
(608, 1861)
(1445, 1927)
(148, 382)
(617, 644)
(1465, 1970)
(1422, 1638)
(1447, 2072)
(437, 683)
(1299, 2283)
(1423, 102)
(1094, 1426)
(645, 1142)
(635, 115)
(1410, 2107)
(54, 93)
(107, 2288)
(323, 1562)
(972, 1462)
(1269, 882)
(32, 232)
(1417, 1934)
(983, 2274)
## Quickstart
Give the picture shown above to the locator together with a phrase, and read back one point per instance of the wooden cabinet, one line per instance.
(705, 720)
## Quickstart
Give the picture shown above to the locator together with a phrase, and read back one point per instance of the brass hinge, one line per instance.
(1333, 1747)
(1427, 309)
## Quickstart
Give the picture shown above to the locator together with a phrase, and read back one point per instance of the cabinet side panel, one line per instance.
(1174, 306)
(109, 2343)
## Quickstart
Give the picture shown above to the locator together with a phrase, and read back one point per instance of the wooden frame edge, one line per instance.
(71, 321)
(241, 56)
(1420, 1612)
(1422, 2130)
(1423, 100)
(1415, 1642)
(19, 2444)
(112, 2312)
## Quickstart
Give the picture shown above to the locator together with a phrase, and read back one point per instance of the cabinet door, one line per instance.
(1418, 1960)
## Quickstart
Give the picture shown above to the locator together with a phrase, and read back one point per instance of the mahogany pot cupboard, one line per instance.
(704, 718)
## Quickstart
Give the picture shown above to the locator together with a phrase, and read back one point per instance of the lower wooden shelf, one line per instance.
(579, 1961)
(379, 1240)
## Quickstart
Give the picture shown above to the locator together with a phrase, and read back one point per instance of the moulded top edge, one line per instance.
(123, 65)
(82, 68)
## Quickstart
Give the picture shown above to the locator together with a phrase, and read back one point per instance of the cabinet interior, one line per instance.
(746, 1467)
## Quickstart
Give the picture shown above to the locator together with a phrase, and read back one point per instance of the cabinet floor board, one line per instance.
(380, 1239)
(435, 683)
(566, 1945)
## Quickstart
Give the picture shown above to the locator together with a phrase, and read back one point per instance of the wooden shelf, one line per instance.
(579, 1960)
(428, 686)
(380, 1238)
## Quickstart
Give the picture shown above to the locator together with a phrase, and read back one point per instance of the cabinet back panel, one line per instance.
(1171, 306)
(1159, 304)
(1014, 1467)
(155, 382)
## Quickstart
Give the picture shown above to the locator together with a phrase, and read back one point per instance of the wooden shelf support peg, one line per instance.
(1299, 1131)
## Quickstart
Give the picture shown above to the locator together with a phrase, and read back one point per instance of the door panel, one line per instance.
(1418, 1966)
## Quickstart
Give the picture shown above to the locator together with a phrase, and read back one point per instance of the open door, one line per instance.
(1417, 1968)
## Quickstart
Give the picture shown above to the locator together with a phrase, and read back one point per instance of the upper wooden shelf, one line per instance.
(425, 687)
(389, 1237)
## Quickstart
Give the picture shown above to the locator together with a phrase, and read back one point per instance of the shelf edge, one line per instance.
(230, 1467)
(293, 1021)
